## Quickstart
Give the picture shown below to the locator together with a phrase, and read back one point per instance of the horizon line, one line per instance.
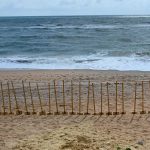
(72, 15)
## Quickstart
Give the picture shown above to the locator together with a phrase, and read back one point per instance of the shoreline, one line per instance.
(81, 70)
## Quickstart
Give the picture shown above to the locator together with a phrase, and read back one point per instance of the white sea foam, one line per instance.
(47, 26)
(82, 62)
(133, 16)
(86, 26)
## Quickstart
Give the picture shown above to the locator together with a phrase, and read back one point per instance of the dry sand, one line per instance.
(74, 132)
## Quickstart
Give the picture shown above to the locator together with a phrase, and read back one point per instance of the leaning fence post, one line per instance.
(88, 99)
(123, 112)
(31, 96)
(42, 111)
(3, 100)
(143, 111)
(116, 89)
(18, 112)
(64, 100)
(135, 98)
(25, 100)
(93, 99)
(79, 112)
(55, 92)
(9, 99)
(108, 113)
(49, 100)
(72, 103)
(149, 92)
(101, 92)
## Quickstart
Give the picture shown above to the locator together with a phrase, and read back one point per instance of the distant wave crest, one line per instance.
(85, 26)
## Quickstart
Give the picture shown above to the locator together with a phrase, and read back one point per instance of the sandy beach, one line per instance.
(74, 132)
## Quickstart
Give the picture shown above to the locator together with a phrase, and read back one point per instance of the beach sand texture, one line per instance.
(78, 132)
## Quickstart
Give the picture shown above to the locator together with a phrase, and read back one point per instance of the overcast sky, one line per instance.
(73, 7)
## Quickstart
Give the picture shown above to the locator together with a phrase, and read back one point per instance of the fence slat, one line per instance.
(93, 99)
(9, 99)
(101, 92)
(25, 100)
(143, 110)
(64, 100)
(72, 100)
(31, 96)
(42, 112)
(3, 100)
(135, 98)
(55, 92)
(79, 109)
(18, 112)
(123, 110)
(108, 113)
(116, 106)
(88, 99)
(49, 100)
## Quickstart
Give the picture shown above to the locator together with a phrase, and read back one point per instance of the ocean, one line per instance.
(75, 42)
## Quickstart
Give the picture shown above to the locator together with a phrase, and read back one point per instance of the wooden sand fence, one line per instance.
(74, 98)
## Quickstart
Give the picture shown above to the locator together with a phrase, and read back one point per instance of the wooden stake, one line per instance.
(31, 96)
(72, 103)
(55, 92)
(108, 113)
(116, 96)
(64, 101)
(79, 112)
(143, 111)
(25, 100)
(0, 110)
(93, 99)
(135, 98)
(42, 111)
(88, 99)
(116, 112)
(101, 113)
(149, 92)
(9, 99)
(49, 99)
(123, 112)
(18, 112)
(3, 100)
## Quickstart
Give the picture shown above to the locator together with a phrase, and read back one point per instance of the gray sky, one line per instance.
(74, 7)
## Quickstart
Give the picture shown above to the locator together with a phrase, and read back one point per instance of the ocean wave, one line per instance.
(141, 25)
(3, 52)
(88, 26)
(28, 36)
(78, 62)
(142, 54)
(86, 60)
(133, 16)
(91, 57)
(23, 61)
(84, 26)
(16, 60)
(127, 53)
(128, 40)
